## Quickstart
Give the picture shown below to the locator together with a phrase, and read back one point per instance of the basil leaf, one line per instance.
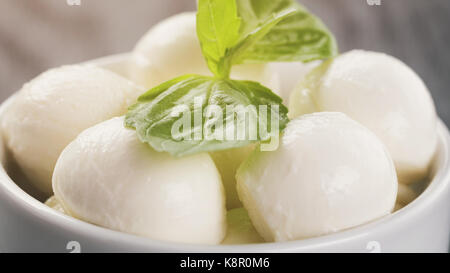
(240, 52)
(255, 12)
(154, 92)
(299, 37)
(248, 31)
(191, 98)
(218, 28)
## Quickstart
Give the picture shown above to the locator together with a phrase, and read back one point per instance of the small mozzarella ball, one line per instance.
(171, 49)
(328, 174)
(55, 204)
(228, 162)
(106, 176)
(51, 110)
(240, 229)
(383, 94)
(290, 74)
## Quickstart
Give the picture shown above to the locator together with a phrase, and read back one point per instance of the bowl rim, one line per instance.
(31, 207)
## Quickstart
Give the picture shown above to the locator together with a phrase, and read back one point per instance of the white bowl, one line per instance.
(27, 225)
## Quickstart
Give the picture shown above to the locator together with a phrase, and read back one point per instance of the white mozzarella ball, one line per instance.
(228, 162)
(328, 174)
(383, 94)
(290, 74)
(51, 110)
(171, 49)
(240, 229)
(106, 176)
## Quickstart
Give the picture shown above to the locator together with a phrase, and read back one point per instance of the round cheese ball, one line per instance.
(328, 174)
(228, 162)
(106, 176)
(383, 94)
(240, 229)
(290, 74)
(51, 110)
(171, 49)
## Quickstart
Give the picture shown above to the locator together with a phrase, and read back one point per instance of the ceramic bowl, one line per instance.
(27, 225)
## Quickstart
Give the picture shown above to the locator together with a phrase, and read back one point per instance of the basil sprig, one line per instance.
(190, 114)
(243, 31)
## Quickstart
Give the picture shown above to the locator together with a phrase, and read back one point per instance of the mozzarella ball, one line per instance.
(171, 49)
(328, 174)
(290, 74)
(240, 229)
(383, 94)
(106, 176)
(51, 110)
(228, 162)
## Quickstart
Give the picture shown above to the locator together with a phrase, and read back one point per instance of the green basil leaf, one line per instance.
(218, 28)
(191, 99)
(240, 52)
(256, 12)
(154, 92)
(298, 37)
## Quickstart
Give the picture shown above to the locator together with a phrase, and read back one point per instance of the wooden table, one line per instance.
(36, 35)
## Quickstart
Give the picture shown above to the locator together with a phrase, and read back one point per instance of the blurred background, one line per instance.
(36, 35)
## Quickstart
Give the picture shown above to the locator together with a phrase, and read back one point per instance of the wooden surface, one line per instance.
(36, 35)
